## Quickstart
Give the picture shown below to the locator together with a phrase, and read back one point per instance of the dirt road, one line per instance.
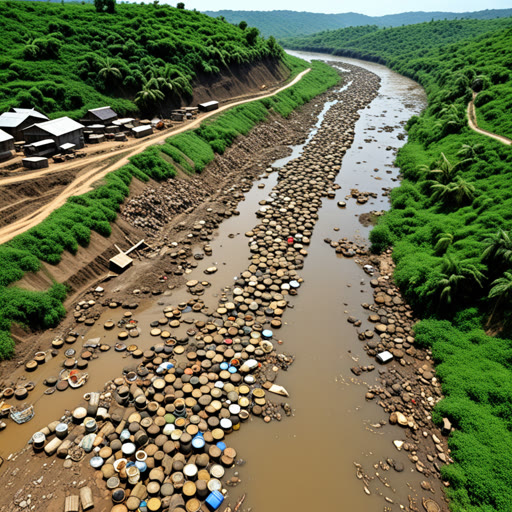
(99, 168)
(473, 124)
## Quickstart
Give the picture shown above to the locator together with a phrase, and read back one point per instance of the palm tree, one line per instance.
(470, 152)
(501, 291)
(498, 249)
(446, 171)
(149, 94)
(108, 71)
(175, 81)
(460, 191)
(457, 278)
(444, 240)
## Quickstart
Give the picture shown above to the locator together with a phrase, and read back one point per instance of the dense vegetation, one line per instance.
(70, 226)
(451, 229)
(291, 23)
(66, 58)
(371, 42)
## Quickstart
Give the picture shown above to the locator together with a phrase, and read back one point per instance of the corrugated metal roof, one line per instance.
(5, 136)
(123, 121)
(34, 159)
(61, 126)
(41, 143)
(103, 112)
(67, 145)
(143, 128)
(33, 112)
(12, 119)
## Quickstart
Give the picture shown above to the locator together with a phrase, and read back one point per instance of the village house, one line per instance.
(63, 131)
(102, 115)
(15, 122)
(6, 145)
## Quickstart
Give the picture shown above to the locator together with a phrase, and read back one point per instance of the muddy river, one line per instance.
(305, 462)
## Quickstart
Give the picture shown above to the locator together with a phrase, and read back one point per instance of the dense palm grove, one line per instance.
(450, 228)
(65, 58)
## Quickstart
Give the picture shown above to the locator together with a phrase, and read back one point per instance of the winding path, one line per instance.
(84, 182)
(473, 124)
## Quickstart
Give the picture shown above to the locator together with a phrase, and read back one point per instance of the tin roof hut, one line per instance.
(15, 122)
(63, 130)
(101, 115)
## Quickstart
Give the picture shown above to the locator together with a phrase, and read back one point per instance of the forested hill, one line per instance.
(65, 58)
(383, 45)
(450, 227)
(291, 23)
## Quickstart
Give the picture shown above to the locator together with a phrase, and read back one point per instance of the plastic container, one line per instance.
(214, 500)
(61, 430)
(198, 441)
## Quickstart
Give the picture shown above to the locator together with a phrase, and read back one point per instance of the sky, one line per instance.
(368, 7)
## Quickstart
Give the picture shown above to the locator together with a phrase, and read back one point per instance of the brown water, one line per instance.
(304, 462)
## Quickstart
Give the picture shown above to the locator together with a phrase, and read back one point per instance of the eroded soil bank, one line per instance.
(337, 451)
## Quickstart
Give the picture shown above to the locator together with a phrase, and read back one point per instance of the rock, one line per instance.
(447, 427)
(398, 444)
(398, 466)
(356, 370)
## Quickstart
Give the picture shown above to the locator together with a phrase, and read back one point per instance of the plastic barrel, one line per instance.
(214, 500)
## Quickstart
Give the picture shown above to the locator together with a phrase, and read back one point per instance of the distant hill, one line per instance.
(385, 44)
(282, 24)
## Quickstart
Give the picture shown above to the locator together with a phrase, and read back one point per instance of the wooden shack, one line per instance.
(101, 115)
(14, 123)
(208, 106)
(35, 162)
(177, 115)
(6, 146)
(45, 147)
(142, 131)
(61, 130)
(127, 123)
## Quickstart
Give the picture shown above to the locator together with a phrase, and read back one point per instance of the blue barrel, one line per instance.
(267, 334)
(214, 500)
(221, 446)
(224, 366)
(198, 441)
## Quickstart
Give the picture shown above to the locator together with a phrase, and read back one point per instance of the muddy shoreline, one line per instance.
(175, 251)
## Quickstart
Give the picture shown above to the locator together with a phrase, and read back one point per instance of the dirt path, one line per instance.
(84, 182)
(473, 124)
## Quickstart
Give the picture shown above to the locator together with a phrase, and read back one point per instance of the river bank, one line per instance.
(266, 237)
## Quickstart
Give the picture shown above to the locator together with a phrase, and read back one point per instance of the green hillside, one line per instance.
(66, 58)
(451, 230)
(282, 24)
(371, 42)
